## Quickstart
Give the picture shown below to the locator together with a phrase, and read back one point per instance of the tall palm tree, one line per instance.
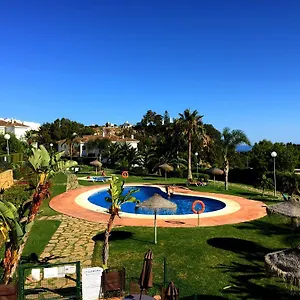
(116, 198)
(230, 139)
(190, 123)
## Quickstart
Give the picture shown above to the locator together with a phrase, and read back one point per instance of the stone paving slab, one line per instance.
(73, 240)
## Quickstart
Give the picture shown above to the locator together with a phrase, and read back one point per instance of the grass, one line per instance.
(58, 187)
(222, 261)
(40, 235)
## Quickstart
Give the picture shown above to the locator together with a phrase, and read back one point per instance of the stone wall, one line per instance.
(72, 182)
(6, 179)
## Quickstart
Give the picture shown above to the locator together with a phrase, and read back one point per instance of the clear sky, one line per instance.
(236, 61)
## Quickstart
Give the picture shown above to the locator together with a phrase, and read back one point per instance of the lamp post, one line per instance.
(274, 154)
(197, 163)
(71, 144)
(7, 137)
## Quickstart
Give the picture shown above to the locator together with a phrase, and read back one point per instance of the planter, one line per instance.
(8, 292)
(113, 282)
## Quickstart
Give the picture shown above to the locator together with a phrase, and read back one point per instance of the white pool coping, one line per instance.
(230, 205)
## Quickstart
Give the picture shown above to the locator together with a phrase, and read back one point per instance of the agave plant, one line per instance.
(116, 198)
(16, 224)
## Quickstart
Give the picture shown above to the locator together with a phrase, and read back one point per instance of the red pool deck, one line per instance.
(250, 210)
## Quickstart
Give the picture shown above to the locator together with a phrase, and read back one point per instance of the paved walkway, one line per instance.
(72, 241)
(249, 210)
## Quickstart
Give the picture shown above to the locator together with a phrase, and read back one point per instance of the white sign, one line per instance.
(51, 272)
(36, 274)
(91, 283)
(70, 269)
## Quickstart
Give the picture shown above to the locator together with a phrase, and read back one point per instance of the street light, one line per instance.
(7, 137)
(71, 144)
(197, 163)
(274, 154)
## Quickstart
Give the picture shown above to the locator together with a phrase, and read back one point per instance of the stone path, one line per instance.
(72, 241)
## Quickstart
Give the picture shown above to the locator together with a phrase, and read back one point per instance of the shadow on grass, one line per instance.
(284, 231)
(249, 249)
(244, 275)
(114, 236)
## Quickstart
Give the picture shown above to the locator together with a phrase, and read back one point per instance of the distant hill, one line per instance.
(243, 148)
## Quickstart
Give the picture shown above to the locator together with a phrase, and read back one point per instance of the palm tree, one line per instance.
(116, 198)
(230, 139)
(190, 123)
(101, 144)
(112, 153)
(18, 223)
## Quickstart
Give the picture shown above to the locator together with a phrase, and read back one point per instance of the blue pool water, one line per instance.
(184, 203)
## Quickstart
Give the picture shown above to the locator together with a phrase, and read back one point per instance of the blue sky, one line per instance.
(236, 62)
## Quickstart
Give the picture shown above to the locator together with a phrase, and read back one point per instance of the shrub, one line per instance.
(203, 177)
(18, 194)
(286, 182)
(139, 171)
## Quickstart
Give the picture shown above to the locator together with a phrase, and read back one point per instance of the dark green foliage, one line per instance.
(202, 176)
(60, 129)
(18, 194)
(286, 160)
(287, 182)
(15, 145)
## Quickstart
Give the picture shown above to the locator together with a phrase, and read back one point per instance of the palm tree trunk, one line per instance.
(105, 251)
(190, 175)
(226, 171)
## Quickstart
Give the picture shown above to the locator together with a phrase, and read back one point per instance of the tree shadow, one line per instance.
(244, 275)
(114, 236)
(243, 287)
(33, 258)
(268, 228)
(249, 249)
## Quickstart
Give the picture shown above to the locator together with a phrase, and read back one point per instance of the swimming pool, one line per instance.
(183, 202)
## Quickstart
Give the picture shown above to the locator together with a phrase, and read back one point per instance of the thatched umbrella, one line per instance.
(146, 277)
(156, 203)
(214, 172)
(96, 163)
(285, 264)
(290, 208)
(172, 292)
(167, 168)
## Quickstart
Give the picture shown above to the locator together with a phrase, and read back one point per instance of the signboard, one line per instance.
(91, 283)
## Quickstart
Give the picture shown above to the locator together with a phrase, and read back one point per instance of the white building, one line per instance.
(13, 127)
(81, 143)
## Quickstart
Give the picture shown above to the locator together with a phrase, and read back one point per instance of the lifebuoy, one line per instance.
(125, 174)
(198, 211)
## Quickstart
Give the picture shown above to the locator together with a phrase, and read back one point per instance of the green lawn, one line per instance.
(222, 261)
(40, 235)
